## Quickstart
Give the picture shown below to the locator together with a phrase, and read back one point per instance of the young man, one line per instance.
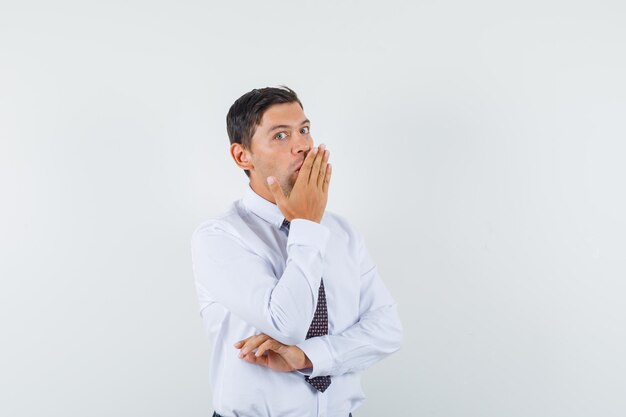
(292, 302)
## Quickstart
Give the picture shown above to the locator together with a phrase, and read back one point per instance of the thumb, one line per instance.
(276, 189)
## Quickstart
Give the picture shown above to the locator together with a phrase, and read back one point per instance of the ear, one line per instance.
(241, 156)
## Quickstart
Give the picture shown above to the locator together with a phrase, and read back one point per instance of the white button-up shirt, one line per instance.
(251, 278)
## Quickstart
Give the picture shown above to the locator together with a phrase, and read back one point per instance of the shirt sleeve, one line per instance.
(236, 276)
(377, 334)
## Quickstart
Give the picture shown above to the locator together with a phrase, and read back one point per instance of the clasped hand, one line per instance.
(272, 354)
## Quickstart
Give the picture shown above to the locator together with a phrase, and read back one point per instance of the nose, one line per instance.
(303, 144)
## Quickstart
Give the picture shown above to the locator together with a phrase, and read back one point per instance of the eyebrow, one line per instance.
(286, 126)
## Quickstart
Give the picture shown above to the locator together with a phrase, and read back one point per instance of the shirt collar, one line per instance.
(266, 210)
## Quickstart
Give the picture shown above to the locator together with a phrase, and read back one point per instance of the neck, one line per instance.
(262, 189)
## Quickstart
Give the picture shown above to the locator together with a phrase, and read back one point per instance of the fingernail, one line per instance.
(270, 180)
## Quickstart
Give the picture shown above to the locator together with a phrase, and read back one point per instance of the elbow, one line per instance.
(296, 333)
(396, 335)
(288, 332)
(399, 337)
(290, 338)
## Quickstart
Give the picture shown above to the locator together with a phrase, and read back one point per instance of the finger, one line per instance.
(322, 174)
(252, 343)
(276, 190)
(241, 342)
(329, 171)
(305, 169)
(315, 169)
(250, 357)
(268, 344)
(256, 360)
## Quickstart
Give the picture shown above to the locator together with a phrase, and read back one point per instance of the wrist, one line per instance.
(306, 362)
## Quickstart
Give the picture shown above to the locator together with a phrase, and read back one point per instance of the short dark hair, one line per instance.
(246, 113)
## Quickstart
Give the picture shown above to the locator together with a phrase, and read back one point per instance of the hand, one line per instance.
(281, 358)
(309, 195)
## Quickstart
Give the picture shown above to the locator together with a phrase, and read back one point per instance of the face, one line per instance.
(280, 144)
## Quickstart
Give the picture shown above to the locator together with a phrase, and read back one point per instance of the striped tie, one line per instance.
(319, 326)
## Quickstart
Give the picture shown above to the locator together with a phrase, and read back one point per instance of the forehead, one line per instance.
(282, 114)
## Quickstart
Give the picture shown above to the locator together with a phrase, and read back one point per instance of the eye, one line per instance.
(305, 130)
(280, 135)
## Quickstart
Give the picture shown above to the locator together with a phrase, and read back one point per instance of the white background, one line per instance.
(479, 147)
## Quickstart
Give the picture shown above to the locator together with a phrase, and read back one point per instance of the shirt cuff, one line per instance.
(308, 233)
(305, 371)
(317, 350)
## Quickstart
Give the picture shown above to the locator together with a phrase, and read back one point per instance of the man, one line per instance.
(293, 305)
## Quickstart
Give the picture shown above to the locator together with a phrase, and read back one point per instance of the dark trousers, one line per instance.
(217, 415)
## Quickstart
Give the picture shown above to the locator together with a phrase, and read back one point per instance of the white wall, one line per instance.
(479, 147)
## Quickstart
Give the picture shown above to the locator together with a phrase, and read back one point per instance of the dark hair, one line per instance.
(246, 113)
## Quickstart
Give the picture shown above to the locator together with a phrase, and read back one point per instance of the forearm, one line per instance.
(245, 283)
(378, 334)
